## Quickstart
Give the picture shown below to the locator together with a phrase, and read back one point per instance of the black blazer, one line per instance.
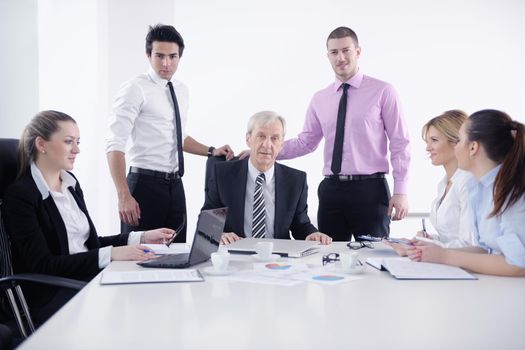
(228, 189)
(39, 238)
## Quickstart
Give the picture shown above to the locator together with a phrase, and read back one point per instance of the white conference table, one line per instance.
(376, 312)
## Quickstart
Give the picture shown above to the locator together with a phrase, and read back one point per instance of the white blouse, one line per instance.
(450, 213)
(75, 221)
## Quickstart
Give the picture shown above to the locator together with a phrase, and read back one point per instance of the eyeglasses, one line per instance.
(177, 231)
(355, 245)
(330, 258)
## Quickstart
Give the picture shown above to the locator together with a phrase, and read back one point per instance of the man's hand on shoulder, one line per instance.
(244, 154)
(319, 237)
(399, 202)
(224, 151)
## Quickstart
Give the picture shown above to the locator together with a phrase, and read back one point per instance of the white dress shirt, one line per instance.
(501, 234)
(143, 109)
(269, 199)
(450, 213)
(75, 221)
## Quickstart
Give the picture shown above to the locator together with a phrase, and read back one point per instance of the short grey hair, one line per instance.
(264, 118)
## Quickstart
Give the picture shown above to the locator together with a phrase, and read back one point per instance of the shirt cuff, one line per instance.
(513, 249)
(104, 256)
(400, 187)
(134, 237)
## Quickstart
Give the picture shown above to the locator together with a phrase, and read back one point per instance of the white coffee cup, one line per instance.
(264, 250)
(349, 260)
(220, 261)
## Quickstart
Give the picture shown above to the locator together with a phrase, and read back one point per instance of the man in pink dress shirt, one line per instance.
(354, 197)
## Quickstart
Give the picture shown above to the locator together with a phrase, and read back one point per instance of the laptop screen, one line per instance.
(207, 234)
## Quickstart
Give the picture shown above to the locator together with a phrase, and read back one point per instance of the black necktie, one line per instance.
(337, 154)
(179, 129)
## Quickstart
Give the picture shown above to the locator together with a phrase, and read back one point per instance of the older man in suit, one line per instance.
(265, 199)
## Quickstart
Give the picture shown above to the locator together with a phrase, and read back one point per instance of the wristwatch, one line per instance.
(210, 151)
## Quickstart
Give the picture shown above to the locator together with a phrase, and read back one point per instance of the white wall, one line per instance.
(18, 65)
(246, 56)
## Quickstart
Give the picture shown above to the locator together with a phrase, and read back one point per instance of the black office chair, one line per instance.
(210, 169)
(9, 282)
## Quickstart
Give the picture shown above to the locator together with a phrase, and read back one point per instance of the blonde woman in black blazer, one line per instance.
(46, 217)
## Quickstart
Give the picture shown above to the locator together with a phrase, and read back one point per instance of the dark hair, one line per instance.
(343, 32)
(504, 142)
(44, 124)
(161, 32)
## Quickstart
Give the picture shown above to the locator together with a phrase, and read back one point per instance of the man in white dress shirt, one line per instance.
(148, 109)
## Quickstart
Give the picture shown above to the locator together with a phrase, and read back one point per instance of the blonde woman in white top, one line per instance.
(449, 213)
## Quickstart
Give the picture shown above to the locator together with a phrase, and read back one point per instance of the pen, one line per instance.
(148, 251)
(424, 227)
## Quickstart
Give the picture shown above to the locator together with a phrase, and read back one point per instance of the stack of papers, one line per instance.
(289, 273)
(150, 276)
(404, 268)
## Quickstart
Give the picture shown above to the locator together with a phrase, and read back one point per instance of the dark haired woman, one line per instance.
(492, 148)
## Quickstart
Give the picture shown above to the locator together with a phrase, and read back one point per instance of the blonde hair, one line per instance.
(44, 124)
(448, 123)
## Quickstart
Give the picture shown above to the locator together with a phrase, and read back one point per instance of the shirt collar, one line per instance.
(487, 180)
(157, 79)
(354, 81)
(454, 177)
(67, 180)
(268, 174)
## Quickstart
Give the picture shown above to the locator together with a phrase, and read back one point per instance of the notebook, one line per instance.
(284, 247)
(206, 241)
(404, 268)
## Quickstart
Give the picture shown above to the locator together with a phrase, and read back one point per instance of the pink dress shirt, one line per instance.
(373, 117)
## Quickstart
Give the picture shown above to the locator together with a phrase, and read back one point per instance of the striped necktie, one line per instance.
(259, 209)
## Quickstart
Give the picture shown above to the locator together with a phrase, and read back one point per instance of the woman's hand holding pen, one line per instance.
(158, 236)
(423, 234)
(131, 252)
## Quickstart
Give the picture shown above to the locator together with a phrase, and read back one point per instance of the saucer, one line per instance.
(210, 270)
(272, 257)
(353, 271)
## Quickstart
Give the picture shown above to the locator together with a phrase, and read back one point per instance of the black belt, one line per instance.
(154, 173)
(355, 177)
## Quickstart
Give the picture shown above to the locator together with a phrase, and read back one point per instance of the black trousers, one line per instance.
(162, 203)
(353, 208)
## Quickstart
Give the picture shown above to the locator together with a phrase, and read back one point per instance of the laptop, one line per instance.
(210, 226)
(283, 247)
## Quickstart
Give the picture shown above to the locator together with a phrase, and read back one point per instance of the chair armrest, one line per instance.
(43, 279)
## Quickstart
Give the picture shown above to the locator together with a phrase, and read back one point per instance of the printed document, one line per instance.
(404, 268)
(151, 276)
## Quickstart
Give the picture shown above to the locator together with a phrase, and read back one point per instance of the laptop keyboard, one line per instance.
(166, 261)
